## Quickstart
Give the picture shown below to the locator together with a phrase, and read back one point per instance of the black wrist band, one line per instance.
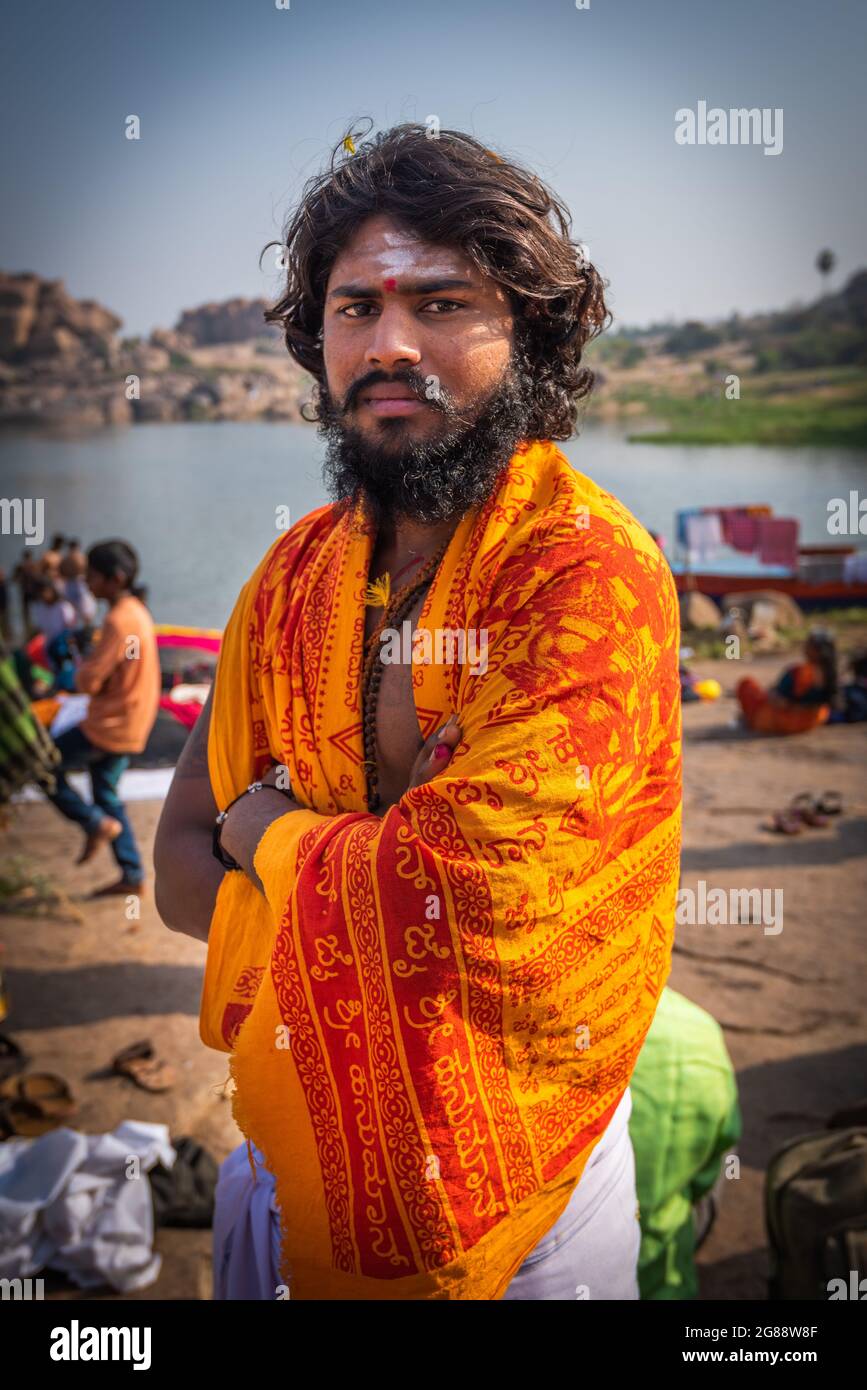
(216, 848)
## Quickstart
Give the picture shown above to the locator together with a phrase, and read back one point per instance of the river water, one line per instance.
(200, 501)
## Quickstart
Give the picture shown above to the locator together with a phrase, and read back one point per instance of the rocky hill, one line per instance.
(64, 364)
(801, 373)
(232, 321)
(38, 319)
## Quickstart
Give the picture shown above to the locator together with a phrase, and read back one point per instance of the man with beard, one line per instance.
(438, 901)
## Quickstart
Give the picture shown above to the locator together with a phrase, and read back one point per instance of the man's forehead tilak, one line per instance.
(395, 256)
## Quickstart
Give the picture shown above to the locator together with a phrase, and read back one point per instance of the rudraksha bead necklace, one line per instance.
(395, 611)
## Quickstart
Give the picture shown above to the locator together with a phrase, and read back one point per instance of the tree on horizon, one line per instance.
(825, 262)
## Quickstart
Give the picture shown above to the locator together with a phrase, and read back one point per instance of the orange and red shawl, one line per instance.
(436, 1011)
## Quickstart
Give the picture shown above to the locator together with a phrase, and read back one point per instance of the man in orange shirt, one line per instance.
(121, 676)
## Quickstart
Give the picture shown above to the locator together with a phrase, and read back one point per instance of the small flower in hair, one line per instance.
(349, 144)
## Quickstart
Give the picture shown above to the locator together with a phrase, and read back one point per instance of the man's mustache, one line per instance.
(416, 382)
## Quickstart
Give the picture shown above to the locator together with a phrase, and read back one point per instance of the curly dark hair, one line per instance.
(451, 189)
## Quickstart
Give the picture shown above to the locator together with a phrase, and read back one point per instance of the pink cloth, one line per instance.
(725, 515)
(778, 541)
(186, 711)
(743, 533)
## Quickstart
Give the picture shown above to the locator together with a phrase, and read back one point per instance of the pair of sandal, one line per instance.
(34, 1103)
(805, 809)
(143, 1068)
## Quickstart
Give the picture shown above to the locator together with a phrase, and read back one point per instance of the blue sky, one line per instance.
(239, 102)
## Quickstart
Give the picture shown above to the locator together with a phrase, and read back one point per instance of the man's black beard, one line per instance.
(428, 480)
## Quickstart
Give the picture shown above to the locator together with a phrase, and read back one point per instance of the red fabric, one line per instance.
(805, 677)
(201, 642)
(186, 711)
(751, 697)
(778, 541)
(726, 514)
(743, 533)
(35, 649)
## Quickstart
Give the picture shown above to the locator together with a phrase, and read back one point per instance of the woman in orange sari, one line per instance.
(803, 697)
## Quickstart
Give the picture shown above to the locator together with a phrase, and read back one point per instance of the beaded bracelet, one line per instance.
(219, 853)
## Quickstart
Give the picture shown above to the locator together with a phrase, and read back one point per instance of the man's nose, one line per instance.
(393, 342)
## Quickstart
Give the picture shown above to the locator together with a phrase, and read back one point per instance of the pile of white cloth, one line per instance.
(81, 1204)
(704, 537)
(855, 567)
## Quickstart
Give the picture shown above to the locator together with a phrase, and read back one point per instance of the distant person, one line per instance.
(803, 697)
(82, 600)
(49, 561)
(122, 676)
(853, 695)
(73, 571)
(73, 565)
(51, 613)
(26, 576)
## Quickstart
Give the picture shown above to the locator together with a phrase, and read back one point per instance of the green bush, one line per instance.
(632, 354)
(692, 336)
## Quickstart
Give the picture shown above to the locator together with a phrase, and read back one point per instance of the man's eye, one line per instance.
(348, 311)
(443, 303)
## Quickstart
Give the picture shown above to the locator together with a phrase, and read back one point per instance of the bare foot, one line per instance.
(107, 830)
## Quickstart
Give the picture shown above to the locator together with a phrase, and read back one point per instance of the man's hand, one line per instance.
(435, 753)
(250, 817)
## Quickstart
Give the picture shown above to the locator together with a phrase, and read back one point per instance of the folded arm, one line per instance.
(250, 818)
(187, 874)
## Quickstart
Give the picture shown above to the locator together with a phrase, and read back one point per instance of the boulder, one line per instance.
(146, 357)
(117, 410)
(38, 318)
(87, 318)
(766, 608)
(231, 321)
(19, 297)
(698, 611)
(199, 404)
(55, 341)
(171, 342)
(72, 412)
(157, 409)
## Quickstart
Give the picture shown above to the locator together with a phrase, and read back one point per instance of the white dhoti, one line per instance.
(591, 1252)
